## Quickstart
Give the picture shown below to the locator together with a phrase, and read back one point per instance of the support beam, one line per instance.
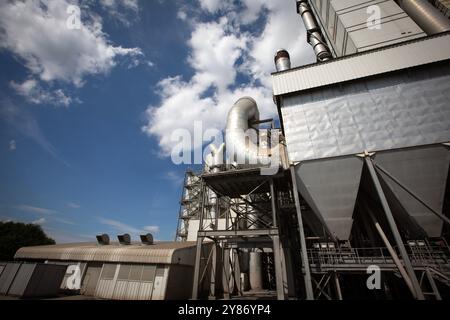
(433, 284)
(305, 262)
(393, 227)
(234, 233)
(197, 268)
(278, 268)
(337, 285)
(412, 194)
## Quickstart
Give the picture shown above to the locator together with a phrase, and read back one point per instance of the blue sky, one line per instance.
(86, 115)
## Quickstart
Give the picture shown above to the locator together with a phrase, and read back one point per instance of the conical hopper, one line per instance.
(330, 187)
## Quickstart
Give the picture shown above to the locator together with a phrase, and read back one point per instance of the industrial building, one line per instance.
(119, 271)
(361, 179)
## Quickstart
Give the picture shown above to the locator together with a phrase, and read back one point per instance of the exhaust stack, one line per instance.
(315, 38)
(282, 60)
(428, 17)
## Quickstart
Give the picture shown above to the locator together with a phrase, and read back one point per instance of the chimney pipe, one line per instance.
(124, 239)
(282, 60)
(315, 38)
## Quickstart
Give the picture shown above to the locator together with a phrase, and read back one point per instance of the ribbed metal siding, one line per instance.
(45, 281)
(403, 56)
(22, 279)
(7, 276)
(163, 253)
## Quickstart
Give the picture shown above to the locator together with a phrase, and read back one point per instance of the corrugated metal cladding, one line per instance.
(402, 110)
(137, 282)
(30, 280)
(346, 24)
(402, 56)
(164, 252)
(7, 276)
(123, 272)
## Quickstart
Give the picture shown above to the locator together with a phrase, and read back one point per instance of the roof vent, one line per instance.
(102, 239)
(124, 238)
(147, 239)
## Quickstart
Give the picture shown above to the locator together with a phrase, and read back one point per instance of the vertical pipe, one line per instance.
(278, 267)
(394, 230)
(305, 262)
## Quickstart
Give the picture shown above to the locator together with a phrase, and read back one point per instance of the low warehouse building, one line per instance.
(131, 271)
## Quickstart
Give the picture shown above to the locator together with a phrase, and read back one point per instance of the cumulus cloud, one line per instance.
(37, 33)
(34, 93)
(229, 60)
(125, 11)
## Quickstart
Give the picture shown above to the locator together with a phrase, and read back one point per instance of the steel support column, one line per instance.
(278, 267)
(197, 268)
(305, 262)
(394, 229)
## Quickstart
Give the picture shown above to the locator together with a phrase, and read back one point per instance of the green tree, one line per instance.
(15, 235)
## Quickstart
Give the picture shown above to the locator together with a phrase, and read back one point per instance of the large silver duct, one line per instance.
(427, 17)
(315, 38)
(241, 134)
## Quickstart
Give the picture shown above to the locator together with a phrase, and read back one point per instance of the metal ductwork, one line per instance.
(241, 134)
(427, 17)
(146, 239)
(102, 239)
(315, 38)
(282, 60)
(124, 239)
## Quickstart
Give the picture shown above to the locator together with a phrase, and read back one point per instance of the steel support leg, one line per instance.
(394, 230)
(197, 268)
(337, 285)
(433, 285)
(278, 267)
(226, 273)
(305, 262)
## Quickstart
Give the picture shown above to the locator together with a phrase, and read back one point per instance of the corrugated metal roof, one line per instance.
(405, 55)
(163, 252)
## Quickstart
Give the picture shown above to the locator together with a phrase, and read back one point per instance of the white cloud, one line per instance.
(36, 32)
(220, 51)
(73, 205)
(33, 92)
(40, 221)
(125, 11)
(121, 227)
(33, 209)
(153, 229)
(12, 145)
(211, 5)
(25, 123)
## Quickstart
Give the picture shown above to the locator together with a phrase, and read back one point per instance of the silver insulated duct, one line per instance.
(315, 38)
(427, 17)
(241, 134)
(282, 60)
